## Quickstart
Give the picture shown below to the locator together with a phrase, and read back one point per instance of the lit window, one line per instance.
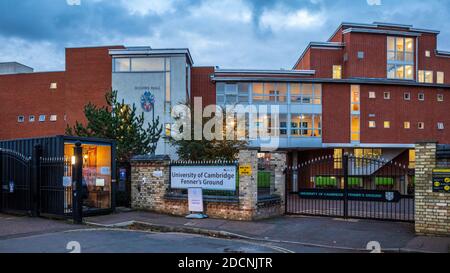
(372, 95)
(42, 118)
(355, 130)
(372, 124)
(168, 87)
(427, 53)
(440, 78)
(440, 126)
(337, 72)
(425, 76)
(407, 125)
(407, 96)
(20, 119)
(421, 96)
(338, 158)
(387, 124)
(54, 85)
(53, 118)
(168, 129)
(440, 97)
(400, 58)
(31, 118)
(421, 125)
(412, 159)
(387, 95)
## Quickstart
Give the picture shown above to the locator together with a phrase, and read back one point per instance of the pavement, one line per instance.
(146, 232)
(327, 234)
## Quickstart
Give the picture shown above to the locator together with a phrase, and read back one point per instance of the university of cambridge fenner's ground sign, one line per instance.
(221, 178)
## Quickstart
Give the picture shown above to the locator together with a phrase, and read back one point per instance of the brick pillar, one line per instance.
(149, 182)
(432, 209)
(248, 185)
(279, 163)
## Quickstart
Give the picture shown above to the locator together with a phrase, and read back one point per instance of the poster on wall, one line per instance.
(222, 178)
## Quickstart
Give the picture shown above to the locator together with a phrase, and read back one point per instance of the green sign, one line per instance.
(441, 180)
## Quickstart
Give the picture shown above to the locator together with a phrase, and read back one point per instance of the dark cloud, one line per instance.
(229, 33)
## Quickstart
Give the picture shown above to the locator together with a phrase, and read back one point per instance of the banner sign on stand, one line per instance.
(195, 196)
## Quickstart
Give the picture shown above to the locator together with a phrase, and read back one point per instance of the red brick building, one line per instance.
(370, 89)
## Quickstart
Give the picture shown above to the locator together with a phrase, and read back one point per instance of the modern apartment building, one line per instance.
(371, 89)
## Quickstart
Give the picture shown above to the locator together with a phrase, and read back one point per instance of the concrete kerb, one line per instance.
(144, 226)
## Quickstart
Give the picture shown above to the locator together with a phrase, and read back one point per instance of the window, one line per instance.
(421, 96)
(440, 78)
(427, 53)
(360, 55)
(412, 159)
(337, 72)
(54, 85)
(355, 120)
(168, 87)
(407, 125)
(440, 126)
(387, 95)
(306, 93)
(42, 118)
(122, 64)
(440, 97)
(306, 125)
(20, 119)
(421, 125)
(407, 96)
(425, 76)
(338, 158)
(387, 124)
(31, 118)
(372, 95)
(372, 124)
(270, 92)
(400, 58)
(147, 64)
(53, 118)
(232, 94)
(168, 129)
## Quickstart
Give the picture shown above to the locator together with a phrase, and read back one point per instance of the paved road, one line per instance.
(123, 241)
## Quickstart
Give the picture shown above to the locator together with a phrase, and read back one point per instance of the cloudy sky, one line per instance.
(262, 34)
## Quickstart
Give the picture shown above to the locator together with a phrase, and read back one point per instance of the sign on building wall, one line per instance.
(221, 178)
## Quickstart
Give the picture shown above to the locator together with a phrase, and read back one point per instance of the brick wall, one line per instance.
(432, 209)
(151, 193)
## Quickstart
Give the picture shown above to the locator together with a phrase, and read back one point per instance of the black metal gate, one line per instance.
(351, 187)
(15, 180)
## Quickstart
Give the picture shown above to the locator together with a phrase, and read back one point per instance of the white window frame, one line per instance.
(388, 97)
(396, 64)
(427, 53)
(21, 119)
(407, 125)
(53, 118)
(32, 118)
(421, 125)
(42, 118)
(407, 96)
(372, 95)
(440, 77)
(440, 126)
(440, 97)
(372, 124)
(419, 96)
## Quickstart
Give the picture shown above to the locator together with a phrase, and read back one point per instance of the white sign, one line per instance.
(67, 181)
(99, 182)
(195, 196)
(206, 177)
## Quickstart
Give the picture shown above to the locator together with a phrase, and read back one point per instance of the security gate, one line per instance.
(351, 187)
(15, 177)
(35, 185)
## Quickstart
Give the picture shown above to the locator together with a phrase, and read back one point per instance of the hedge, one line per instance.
(384, 181)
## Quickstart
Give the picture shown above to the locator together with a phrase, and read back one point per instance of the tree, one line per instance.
(206, 150)
(118, 121)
